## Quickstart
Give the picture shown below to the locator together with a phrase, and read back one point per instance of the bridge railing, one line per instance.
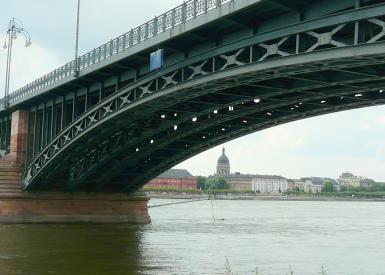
(187, 11)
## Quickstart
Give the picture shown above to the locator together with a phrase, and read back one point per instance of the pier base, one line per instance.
(17, 206)
(73, 208)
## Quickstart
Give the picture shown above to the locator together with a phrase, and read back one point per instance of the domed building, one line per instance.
(247, 182)
(223, 165)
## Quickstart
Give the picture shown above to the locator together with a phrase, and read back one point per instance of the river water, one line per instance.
(275, 237)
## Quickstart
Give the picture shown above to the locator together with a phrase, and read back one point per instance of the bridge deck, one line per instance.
(185, 18)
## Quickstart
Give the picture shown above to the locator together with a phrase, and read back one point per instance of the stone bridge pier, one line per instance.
(18, 206)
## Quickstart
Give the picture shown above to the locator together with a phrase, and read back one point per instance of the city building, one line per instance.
(311, 184)
(269, 184)
(175, 179)
(315, 184)
(366, 182)
(320, 180)
(238, 181)
(223, 165)
(348, 179)
(313, 187)
(248, 182)
(299, 184)
(290, 185)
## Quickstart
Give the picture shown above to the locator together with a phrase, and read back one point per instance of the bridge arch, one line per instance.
(252, 104)
(313, 67)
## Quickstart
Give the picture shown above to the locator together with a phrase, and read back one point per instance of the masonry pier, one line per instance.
(18, 206)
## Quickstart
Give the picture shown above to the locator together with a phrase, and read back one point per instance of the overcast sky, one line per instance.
(326, 146)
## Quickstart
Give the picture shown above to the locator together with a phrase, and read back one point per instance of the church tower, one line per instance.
(223, 165)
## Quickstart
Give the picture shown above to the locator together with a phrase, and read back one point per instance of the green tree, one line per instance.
(328, 187)
(377, 187)
(217, 183)
(222, 184)
(201, 183)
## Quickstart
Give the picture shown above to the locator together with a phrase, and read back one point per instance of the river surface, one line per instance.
(275, 237)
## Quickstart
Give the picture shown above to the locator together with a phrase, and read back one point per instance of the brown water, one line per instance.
(275, 236)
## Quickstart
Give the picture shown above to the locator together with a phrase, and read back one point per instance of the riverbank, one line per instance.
(173, 195)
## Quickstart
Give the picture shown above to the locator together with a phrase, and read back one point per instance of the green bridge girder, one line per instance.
(267, 64)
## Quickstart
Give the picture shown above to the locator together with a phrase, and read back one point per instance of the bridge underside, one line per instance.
(116, 127)
(138, 144)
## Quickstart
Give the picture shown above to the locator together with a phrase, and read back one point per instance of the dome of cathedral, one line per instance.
(223, 158)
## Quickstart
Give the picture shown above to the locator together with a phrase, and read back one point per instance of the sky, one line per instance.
(350, 141)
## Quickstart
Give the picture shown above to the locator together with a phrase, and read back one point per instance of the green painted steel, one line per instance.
(262, 64)
(193, 12)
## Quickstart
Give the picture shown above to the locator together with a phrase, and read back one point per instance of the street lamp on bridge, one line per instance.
(76, 71)
(14, 29)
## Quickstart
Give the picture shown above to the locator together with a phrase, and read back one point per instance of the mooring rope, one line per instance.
(173, 203)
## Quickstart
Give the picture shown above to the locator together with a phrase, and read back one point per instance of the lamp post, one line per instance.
(15, 27)
(76, 71)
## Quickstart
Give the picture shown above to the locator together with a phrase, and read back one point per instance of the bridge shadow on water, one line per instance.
(70, 249)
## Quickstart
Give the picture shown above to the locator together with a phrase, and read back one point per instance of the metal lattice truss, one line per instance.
(250, 52)
(95, 156)
(231, 59)
(273, 49)
(381, 34)
(197, 70)
(326, 38)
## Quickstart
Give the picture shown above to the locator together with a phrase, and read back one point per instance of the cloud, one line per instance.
(377, 147)
(370, 121)
(27, 63)
(122, 16)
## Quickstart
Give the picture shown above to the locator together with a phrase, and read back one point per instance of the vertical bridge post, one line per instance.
(19, 132)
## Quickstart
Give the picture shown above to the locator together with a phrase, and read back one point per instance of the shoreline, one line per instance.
(260, 198)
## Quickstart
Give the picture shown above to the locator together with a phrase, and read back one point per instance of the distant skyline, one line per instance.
(324, 146)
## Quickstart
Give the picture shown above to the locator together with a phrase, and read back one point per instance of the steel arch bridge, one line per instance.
(231, 68)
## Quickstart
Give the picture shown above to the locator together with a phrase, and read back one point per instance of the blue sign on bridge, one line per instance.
(156, 60)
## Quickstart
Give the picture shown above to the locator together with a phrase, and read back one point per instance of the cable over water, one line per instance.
(181, 202)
